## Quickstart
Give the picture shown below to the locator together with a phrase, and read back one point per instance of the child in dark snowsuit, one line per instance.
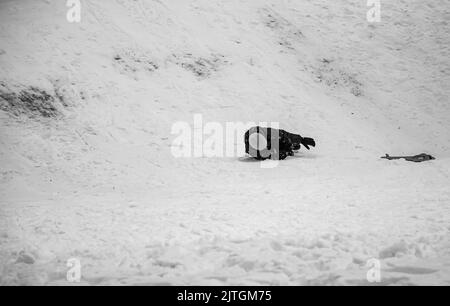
(268, 143)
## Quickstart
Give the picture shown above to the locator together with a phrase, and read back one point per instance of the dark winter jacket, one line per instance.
(280, 144)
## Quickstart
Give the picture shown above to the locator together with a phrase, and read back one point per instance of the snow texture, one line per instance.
(86, 111)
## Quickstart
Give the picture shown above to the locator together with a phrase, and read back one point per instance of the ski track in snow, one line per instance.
(101, 186)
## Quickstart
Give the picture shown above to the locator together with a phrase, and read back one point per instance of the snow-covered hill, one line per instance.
(86, 111)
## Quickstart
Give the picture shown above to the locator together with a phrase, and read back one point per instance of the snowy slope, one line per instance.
(89, 175)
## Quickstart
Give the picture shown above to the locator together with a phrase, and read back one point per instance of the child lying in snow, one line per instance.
(268, 143)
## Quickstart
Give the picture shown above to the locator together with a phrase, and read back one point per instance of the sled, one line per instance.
(416, 159)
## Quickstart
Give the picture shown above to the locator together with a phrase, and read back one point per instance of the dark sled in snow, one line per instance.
(416, 159)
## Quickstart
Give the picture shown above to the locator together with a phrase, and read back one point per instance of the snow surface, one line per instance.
(98, 182)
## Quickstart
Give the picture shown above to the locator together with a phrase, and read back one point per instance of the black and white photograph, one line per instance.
(250, 144)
